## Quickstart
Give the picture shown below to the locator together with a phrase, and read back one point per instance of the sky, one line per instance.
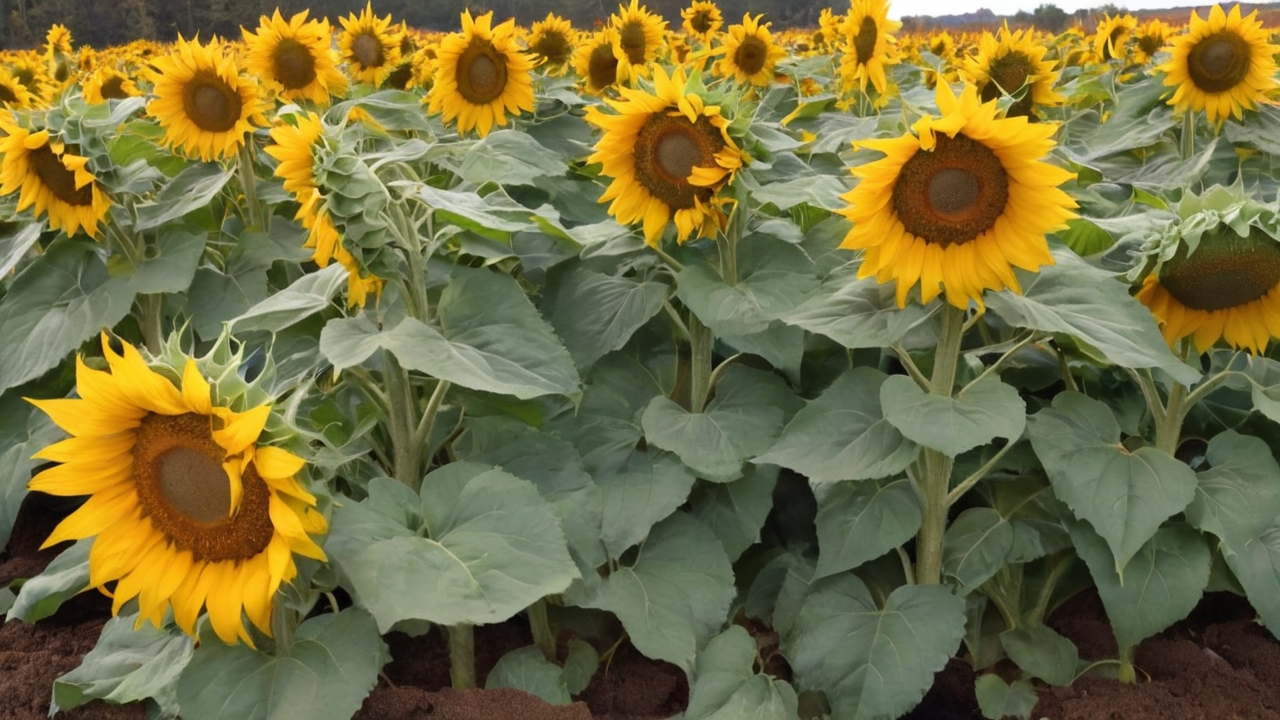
(898, 8)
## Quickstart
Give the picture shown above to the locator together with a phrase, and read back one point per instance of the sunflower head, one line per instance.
(867, 45)
(597, 61)
(1009, 62)
(1213, 273)
(639, 34)
(295, 57)
(750, 53)
(958, 202)
(369, 45)
(551, 42)
(107, 83)
(1149, 39)
(1111, 40)
(702, 20)
(669, 154)
(52, 177)
(13, 94)
(188, 508)
(1224, 65)
(481, 74)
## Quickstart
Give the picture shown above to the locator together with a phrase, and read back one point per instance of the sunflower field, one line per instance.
(802, 360)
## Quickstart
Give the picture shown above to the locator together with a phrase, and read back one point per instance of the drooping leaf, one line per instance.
(773, 279)
(66, 576)
(510, 157)
(127, 665)
(32, 431)
(952, 425)
(736, 511)
(726, 687)
(646, 489)
(310, 294)
(862, 520)
(999, 700)
(856, 313)
(171, 263)
(527, 669)
(596, 313)
(975, 547)
(1042, 653)
(191, 189)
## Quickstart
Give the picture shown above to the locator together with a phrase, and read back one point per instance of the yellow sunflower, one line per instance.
(551, 41)
(296, 57)
(668, 154)
(13, 94)
(597, 60)
(187, 509)
(53, 179)
(1223, 66)
(1149, 39)
(1006, 64)
(868, 47)
(107, 83)
(481, 75)
(702, 20)
(1111, 40)
(28, 68)
(203, 102)
(369, 46)
(639, 36)
(750, 54)
(58, 55)
(959, 202)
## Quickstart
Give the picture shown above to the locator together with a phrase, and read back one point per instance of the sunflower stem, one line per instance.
(282, 625)
(729, 248)
(406, 454)
(422, 435)
(462, 656)
(249, 183)
(540, 626)
(701, 342)
(935, 466)
(1188, 134)
(151, 320)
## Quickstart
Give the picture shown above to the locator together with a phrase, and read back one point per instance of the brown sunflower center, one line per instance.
(183, 489)
(367, 50)
(1219, 62)
(113, 88)
(864, 43)
(602, 67)
(210, 103)
(55, 176)
(482, 73)
(1008, 73)
(1150, 44)
(632, 40)
(951, 194)
(750, 55)
(701, 22)
(7, 95)
(666, 152)
(553, 46)
(1225, 271)
(295, 65)
(400, 77)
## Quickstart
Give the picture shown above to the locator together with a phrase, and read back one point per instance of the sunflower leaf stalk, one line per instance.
(462, 656)
(249, 183)
(934, 467)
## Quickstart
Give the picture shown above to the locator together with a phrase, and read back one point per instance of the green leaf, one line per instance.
(127, 665)
(998, 700)
(1124, 495)
(330, 667)
(171, 263)
(646, 489)
(596, 314)
(726, 687)
(781, 345)
(216, 297)
(14, 248)
(1238, 496)
(975, 547)
(528, 670)
(740, 423)
(66, 576)
(856, 313)
(193, 188)
(1075, 298)
(1085, 237)
(58, 301)
(494, 216)
(492, 546)
(1161, 584)
(1030, 508)
(308, 295)
(874, 663)
(33, 432)
(736, 511)
(347, 342)
(510, 157)
(1042, 653)
(676, 594)
(860, 521)
(580, 666)
(843, 435)
(773, 279)
(952, 425)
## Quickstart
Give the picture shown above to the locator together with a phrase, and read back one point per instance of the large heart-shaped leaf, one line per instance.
(597, 313)
(860, 521)
(727, 687)
(127, 665)
(952, 425)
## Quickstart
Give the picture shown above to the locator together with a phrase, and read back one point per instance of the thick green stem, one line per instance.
(701, 341)
(406, 454)
(543, 638)
(151, 320)
(462, 656)
(1126, 674)
(935, 467)
(249, 183)
(282, 626)
(1169, 427)
(1188, 134)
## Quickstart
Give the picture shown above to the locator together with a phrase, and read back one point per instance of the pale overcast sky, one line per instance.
(898, 8)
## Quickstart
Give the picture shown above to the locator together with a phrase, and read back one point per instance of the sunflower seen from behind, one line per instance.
(187, 510)
(202, 100)
(369, 45)
(51, 177)
(750, 54)
(1223, 66)
(668, 154)
(481, 76)
(295, 57)
(957, 202)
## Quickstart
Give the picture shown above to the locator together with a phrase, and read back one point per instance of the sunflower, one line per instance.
(203, 102)
(13, 94)
(29, 70)
(1111, 40)
(481, 75)
(107, 83)
(369, 45)
(867, 44)
(639, 36)
(956, 205)
(188, 509)
(1006, 64)
(1149, 39)
(1214, 273)
(52, 178)
(668, 153)
(702, 20)
(296, 57)
(58, 53)
(551, 41)
(943, 45)
(1222, 66)
(750, 53)
(596, 61)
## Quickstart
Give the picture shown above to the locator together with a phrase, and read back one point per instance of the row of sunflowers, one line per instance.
(889, 343)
